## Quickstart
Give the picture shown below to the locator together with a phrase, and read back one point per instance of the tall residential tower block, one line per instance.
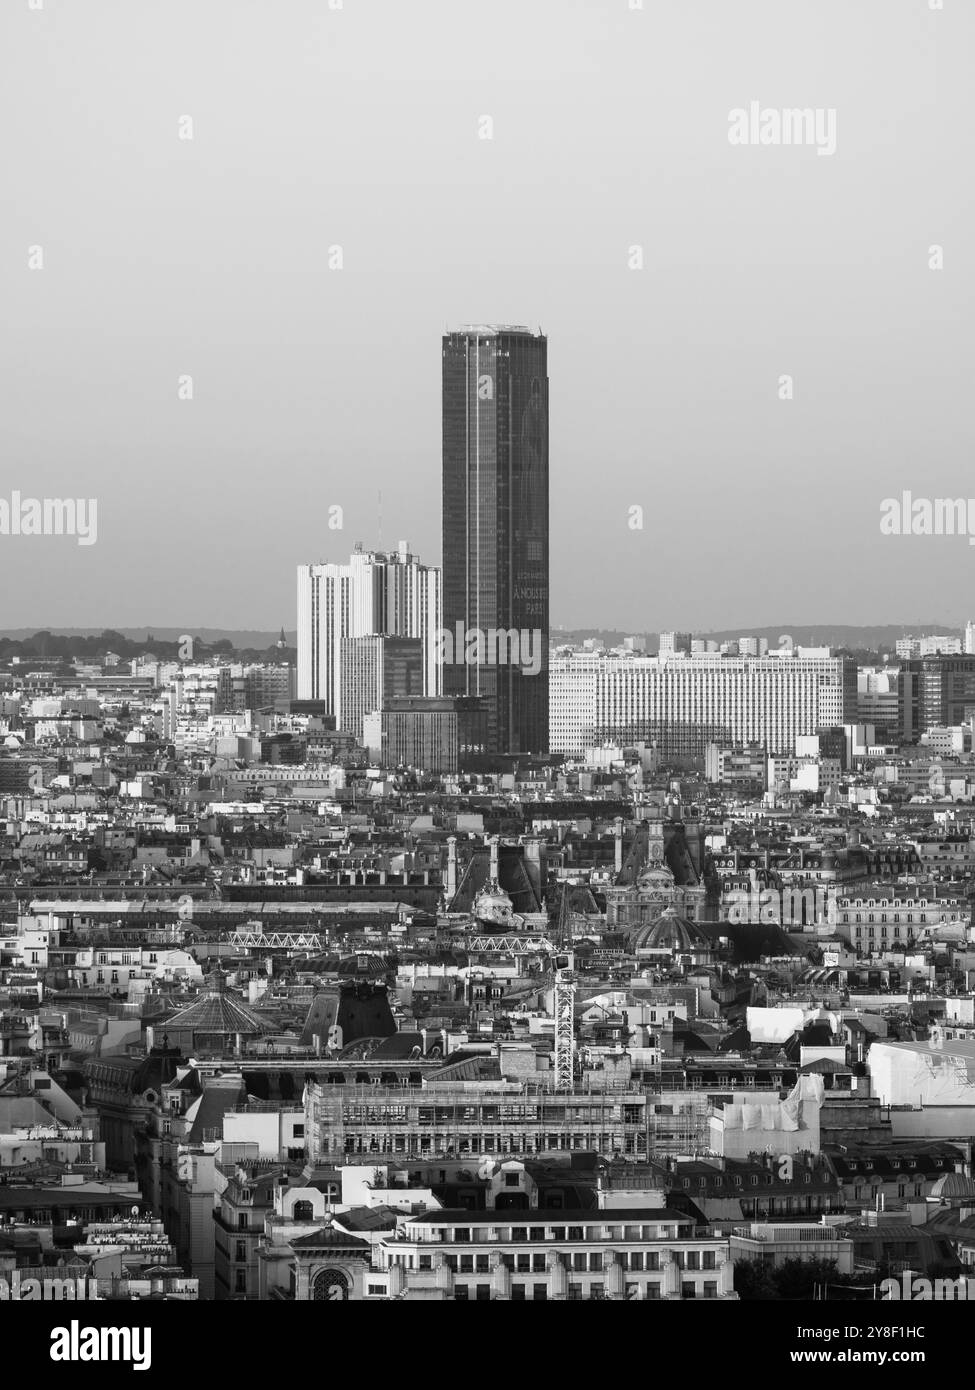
(374, 595)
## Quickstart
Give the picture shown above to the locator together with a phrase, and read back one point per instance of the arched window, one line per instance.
(329, 1286)
(303, 1211)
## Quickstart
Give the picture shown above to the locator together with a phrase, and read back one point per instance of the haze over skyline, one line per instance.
(314, 387)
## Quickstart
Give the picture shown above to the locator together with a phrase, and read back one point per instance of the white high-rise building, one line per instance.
(681, 705)
(375, 594)
(878, 696)
(673, 642)
(970, 639)
(572, 701)
(910, 648)
(940, 646)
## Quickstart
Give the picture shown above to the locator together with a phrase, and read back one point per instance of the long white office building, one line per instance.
(375, 594)
(683, 703)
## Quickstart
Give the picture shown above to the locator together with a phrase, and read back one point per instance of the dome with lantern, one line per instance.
(674, 933)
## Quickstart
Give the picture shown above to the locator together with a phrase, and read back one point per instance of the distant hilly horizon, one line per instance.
(241, 637)
(870, 637)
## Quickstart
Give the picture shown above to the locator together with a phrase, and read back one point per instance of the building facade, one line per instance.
(495, 523)
(342, 1123)
(935, 692)
(375, 594)
(438, 734)
(621, 1254)
(373, 671)
(683, 704)
(891, 917)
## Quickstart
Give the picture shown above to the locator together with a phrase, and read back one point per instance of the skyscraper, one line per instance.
(375, 594)
(374, 670)
(495, 528)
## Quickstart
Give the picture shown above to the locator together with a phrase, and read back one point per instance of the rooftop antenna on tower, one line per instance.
(380, 518)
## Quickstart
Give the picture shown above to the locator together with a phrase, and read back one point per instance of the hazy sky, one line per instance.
(358, 127)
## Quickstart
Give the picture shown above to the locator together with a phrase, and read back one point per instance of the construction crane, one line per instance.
(563, 998)
(563, 1007)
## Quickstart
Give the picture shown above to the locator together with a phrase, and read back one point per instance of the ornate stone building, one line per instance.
(665, 867)
(330, 1266)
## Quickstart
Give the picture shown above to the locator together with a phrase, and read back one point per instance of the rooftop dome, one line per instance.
(493, 895)
(953, 1185)
(216, 1011)
(493, 905)
(671, 932)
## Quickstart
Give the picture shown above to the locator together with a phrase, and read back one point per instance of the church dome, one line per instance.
(671, 932)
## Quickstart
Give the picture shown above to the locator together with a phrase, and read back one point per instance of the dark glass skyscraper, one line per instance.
(495, 529)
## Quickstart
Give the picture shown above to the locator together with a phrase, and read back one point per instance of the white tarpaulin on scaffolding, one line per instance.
(917, 1073)
(773, 1025)
(778, 1025)
(778, 1114)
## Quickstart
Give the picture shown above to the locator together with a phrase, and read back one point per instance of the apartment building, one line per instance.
(890, 916)
(375, 594)
(621, 1253)
(681, 704)
(245, 1202)
(355, 1121)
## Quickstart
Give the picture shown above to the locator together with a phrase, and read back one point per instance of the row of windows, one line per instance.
(580, 1261)
(872, 931)
(858, 917)
(500, 1144)
(737, 1179)
(900, 903)
(739, 1081)
(860, 1191)
(578, 1292)
(477, 1235)
(487, 1114)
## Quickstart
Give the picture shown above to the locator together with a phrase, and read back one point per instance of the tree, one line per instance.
(797, 1279)
(793, 1280)
(753, 1280)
